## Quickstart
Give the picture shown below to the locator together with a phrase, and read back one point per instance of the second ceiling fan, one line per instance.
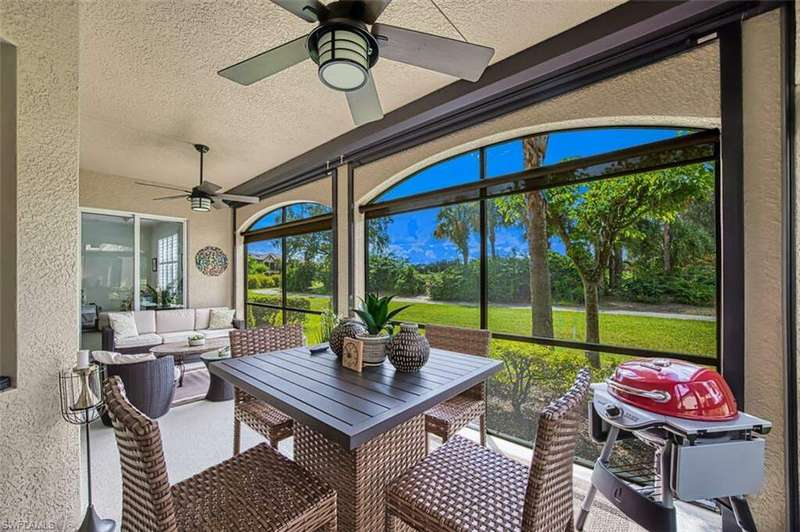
(345, 51)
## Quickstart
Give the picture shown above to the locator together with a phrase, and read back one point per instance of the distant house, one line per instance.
(271, 261)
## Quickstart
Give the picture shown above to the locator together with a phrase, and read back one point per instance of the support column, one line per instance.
(341, 224)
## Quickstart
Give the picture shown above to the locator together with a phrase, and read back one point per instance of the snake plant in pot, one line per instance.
(377, 317)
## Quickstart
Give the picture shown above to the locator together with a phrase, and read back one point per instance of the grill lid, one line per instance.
(674, 388)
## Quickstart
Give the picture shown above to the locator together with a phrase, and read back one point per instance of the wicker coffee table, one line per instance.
(356, 431)
(182, 352)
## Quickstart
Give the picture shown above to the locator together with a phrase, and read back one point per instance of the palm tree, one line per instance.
(455, 223)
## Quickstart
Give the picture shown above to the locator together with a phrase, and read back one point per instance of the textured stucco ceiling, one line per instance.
(149, 87)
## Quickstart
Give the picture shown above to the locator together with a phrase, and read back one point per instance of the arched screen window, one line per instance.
(288, 275)
(574, 248)
(508, 157)
(289, 213)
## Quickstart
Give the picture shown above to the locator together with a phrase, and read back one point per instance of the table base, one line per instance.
(360, 476)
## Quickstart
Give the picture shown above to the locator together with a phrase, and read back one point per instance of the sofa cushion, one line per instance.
(168, 321)
(177, 337)
(221, 318)
(111, 358)
(202, 315)
(138, 341)
(124, 325)
(145, 321)
(216, 333)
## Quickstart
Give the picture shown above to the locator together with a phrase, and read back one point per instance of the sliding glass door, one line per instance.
(107, 262)
(160, 264)
(129, 262)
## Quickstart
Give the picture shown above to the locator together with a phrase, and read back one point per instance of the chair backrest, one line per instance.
(459, 339)
(248, 342)
(146, 497)
(548, 501)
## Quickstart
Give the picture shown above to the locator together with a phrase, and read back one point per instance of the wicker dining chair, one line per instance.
(258, 415)
(259, 489)
(463, 487)
(447, 418)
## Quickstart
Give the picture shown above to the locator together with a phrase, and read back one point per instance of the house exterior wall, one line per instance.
(213, 228)
(39, 452)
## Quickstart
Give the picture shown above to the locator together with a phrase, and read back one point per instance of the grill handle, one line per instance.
(657, 396)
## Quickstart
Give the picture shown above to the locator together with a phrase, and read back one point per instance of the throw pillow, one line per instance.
(123, 324)
(221, 318)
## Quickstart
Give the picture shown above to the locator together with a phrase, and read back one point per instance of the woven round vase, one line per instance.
(348, 328)
(408, 351)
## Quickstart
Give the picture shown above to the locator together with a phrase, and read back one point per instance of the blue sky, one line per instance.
(411, 234)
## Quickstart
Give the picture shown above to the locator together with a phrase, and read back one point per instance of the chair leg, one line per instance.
(273, 442)
(483, 429)
(237, 436)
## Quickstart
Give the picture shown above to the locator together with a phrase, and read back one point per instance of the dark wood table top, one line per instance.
(351, 408)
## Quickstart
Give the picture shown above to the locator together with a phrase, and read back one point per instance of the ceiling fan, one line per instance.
(204, 195)
(345, 51)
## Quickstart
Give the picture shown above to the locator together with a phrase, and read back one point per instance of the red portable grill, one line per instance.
(674, 388)
(705, 449)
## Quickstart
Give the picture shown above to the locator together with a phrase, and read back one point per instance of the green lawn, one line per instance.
(663, 334)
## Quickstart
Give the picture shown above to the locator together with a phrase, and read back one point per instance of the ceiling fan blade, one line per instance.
(365, 105)
(373, 9)
(208, 187)
(457, 58)
(218, 203)
(237, 197)
(267, 63)
(309, 10)
(169, 197)
(163, 186)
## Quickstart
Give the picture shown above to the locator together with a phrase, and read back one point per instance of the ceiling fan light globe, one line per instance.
(344, 59)
(342, 75)
(200, 203)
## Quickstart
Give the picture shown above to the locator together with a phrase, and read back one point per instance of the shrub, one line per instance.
(694, 285)
(258, 316)
(456, 283)
(391, 274)
(263, 280)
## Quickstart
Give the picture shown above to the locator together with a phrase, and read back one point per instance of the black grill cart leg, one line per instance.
(605, 454)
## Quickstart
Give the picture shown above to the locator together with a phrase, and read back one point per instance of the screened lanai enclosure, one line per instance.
(468, 265)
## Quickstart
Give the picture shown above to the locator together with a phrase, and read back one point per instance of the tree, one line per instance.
(530, 208)
(378, 235)
(590, 220)
(534, 148)
(455, 223)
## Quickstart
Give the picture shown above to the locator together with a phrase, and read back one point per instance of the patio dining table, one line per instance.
(357, 431)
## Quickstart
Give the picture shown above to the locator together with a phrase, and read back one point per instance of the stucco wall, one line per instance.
(213, 228)
(39, 452)
(318, 191)
(764, 354)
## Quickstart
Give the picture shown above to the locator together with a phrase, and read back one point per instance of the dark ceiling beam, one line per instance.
(626, 37)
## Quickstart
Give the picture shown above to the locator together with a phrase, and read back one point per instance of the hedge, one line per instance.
(257, 316)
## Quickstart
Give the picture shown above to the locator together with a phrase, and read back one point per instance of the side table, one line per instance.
(218, 389)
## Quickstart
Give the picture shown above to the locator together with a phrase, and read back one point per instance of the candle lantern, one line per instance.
(81, 404)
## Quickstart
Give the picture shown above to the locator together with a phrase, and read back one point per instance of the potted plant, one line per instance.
(375, 314)
(196, 340)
